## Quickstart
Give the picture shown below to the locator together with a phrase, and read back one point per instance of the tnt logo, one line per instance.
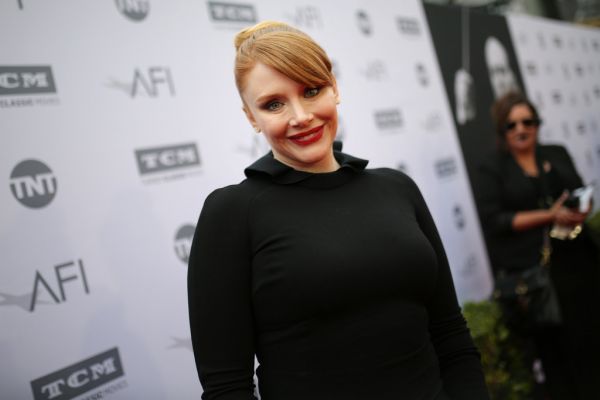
(446, 167)
(183, 242)
(231, 12)
(33, 184)
(135, 10)
(16, 80)
(159, 159)
(79, 378)
(408, 26)
(389, 119)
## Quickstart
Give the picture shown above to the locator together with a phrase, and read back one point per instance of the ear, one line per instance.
(250, 117)
(336, 93)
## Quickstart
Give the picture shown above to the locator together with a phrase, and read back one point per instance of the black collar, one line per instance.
(268, 166)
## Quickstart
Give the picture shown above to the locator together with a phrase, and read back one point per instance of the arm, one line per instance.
(458, 357)
(219, 299)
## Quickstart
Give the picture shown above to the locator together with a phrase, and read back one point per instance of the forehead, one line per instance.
(519, 111)
(263, 80)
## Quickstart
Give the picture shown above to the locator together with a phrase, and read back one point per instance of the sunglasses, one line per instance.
(527, 122)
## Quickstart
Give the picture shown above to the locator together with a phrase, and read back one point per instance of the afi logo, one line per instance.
(159, 159)
(79, 378)
(151, 82)
(26, 80)
(183, 242)
(307, 17)
(135, 10)
(33, 184)
(231, 12)
(63, 273)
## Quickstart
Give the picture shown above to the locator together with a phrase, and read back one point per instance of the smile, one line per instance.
(308, 137)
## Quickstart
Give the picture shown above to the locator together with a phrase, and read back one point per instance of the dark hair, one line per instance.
(502, 108)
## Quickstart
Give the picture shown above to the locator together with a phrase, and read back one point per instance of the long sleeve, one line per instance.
(459, 359)
(496, 218)
(219, 296)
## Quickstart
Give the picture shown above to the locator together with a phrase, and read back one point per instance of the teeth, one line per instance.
(307, 137)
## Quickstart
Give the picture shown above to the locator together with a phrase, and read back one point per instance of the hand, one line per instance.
(569, 217)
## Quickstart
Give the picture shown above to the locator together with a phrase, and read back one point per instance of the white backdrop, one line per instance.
(561, 69)
(119, 117)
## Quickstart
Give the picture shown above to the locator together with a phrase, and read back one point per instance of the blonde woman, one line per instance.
(331, 274)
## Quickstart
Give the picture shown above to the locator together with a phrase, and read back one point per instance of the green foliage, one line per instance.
(506, 375)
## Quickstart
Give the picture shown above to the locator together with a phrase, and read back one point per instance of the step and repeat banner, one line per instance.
(118, 118)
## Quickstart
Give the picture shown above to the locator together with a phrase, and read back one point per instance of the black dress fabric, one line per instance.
(570, 353)
(337, 282)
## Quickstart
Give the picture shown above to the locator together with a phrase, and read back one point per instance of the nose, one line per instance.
(300, 116)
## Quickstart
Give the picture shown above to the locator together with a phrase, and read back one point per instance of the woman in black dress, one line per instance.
(331, 274)
(521, 195)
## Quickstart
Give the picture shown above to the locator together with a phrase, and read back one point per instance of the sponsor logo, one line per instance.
(183, 242)
(596, 91)
(446, 168)
(558, 42)
(598, 151)
(307, 17)
(33, 184)
(422, 74)
(18, 80)
(408, 26)
(389, 119)
(531, 68)
(402, 167)
(539, 100)
(596, 45)
(364, 22)
(433, 122)
(20, 83)
(222, 12)
(541, 40)
(20, 4)
(579, 70)
(153, 82)
(81, 377)
(459, 217)
(589, 158)
(580, 127)
(557, 97)
(51, 284)
(135, 10)
(469, 266)
(181, 343)
(375, 70)
(168, 160)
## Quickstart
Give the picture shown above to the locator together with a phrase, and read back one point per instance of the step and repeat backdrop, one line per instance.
(117, 119)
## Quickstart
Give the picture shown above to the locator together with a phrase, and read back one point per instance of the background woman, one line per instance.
(521, 195)
(331, 274)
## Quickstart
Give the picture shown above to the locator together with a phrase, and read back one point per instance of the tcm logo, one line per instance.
(33, 184)
(408, 26)
(446, 167)
(16, 80)
(79, 378)
(152, 82)
(159, 159)
(135, 10)
(307, 17)
(183, 242)
(232, 12)
(389, 119)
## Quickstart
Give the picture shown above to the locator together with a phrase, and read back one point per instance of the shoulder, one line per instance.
(553, 150)
(233, 198)
(395, 179)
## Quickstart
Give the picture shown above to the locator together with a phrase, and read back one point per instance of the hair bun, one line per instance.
(258, 29)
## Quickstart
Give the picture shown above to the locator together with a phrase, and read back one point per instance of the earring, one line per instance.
(256, 129)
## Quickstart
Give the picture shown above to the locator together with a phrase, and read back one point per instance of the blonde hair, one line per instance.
(283, 48)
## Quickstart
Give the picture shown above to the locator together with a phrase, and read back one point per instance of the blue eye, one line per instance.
(311, 92)
(273, 105)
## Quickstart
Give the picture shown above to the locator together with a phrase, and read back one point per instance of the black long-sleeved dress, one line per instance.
(337, 282)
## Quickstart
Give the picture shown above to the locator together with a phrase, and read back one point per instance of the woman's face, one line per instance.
(521, 129)
(299, 122)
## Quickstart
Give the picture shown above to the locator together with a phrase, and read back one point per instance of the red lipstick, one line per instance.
(308, 137)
